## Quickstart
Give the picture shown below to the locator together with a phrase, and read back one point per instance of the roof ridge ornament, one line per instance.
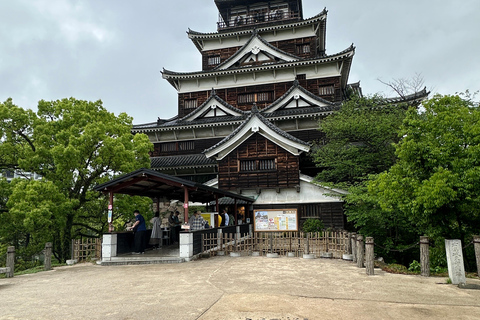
(254, 108)
(213, 92)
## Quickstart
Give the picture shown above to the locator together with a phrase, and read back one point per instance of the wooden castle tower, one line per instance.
(246, 121)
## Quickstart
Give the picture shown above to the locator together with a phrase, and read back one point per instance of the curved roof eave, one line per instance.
(345, 54)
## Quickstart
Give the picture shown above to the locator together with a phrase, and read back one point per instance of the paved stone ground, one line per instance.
(233, 288)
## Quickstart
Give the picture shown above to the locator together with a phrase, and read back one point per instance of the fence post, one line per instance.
(250, 230)
(360, 251)
(424, 257)
(271, 242)
(348, 247)
(476, 244)
(74, 250)
(219, 240)
(370, 256)
(10, 261)
(48, 256)
(354, 246)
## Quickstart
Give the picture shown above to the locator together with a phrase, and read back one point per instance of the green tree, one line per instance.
(436, 182)
(74, 145)
(358, 140)
(359, 144)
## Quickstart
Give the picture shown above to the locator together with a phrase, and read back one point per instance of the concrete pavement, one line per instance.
(233, 288)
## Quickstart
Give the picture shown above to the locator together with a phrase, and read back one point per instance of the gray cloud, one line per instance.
(114, 50)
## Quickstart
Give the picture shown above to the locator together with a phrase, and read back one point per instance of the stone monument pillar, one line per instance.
(456, 269)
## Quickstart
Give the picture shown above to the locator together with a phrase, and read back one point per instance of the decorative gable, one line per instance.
(256, 51)
(257, 124)
(297, 97)
(214, 107)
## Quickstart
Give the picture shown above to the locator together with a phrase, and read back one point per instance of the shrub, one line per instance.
(313, 225)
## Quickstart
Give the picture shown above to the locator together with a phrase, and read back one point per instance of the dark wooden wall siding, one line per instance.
(308, 135)
(230, 95)
(331, 213)
(200, 146)
(292, 46)
(286, 174)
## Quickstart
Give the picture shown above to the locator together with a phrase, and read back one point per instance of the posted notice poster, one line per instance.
(276, 220)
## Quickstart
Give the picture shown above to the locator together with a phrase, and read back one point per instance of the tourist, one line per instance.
(156, 236)
(227, 218)
(140, 232)
(197, 222)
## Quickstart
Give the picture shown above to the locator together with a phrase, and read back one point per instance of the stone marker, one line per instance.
(456, 270)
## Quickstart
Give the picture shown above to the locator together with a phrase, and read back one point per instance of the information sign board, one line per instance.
(276, 220)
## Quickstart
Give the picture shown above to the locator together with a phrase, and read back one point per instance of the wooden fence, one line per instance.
(86, 249)
(283, 243)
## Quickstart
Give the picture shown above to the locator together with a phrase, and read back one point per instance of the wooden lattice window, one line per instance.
(326, 90)
(244, 98)
(303, 48)
(186, 145)
(213, 60)
(258, 165)
(190, 103)
(170, 146)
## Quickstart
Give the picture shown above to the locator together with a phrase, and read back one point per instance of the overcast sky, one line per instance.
(114, 50)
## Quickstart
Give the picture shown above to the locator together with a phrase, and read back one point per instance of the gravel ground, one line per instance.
(233, 288)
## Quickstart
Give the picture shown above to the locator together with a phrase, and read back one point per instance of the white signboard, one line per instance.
(276, 220)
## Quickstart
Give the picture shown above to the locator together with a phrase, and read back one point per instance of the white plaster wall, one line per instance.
(279, 35)
(261, 77)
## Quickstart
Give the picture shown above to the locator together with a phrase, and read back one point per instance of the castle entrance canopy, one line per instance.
(156, 185)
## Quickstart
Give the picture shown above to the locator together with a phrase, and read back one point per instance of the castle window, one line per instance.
(258, 165)
(171, 146)
(190, 103)
(245, 98)
(186, 145)
(213, 60)
(326, 90)
(303, 48)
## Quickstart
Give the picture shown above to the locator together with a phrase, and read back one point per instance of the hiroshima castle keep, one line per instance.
(246, 121)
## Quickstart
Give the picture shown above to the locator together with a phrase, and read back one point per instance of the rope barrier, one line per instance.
(397, 250)
(468, 245)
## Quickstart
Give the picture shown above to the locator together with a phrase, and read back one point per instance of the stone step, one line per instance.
(140, 260)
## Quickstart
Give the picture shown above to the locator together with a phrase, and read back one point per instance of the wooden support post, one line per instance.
(48, 256)
(354, 247)
(10, 261)
(271, 242)
(185, 204)
(476, 244)
(308, 243)
(360, 251)
(110, 212)
(424, 257)
(369, 256)
(235, 208)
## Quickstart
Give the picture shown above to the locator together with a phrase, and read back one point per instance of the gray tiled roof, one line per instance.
(414, 97)
(347, 53)
(195, 160)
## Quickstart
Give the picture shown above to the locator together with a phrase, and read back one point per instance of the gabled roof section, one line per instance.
(256, 50)
(257, 124)
(298, 97)
(212, 108)
(344, 59)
